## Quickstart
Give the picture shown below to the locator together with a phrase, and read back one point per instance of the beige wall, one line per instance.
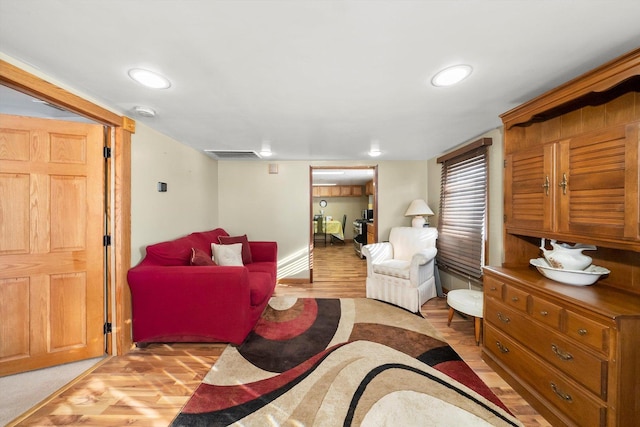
(277, 207)
(190, 204)
(495, 210)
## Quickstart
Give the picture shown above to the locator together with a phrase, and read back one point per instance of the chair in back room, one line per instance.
(320, 231)
(335, 238)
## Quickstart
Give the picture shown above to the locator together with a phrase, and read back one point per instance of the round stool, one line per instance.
(468, 302)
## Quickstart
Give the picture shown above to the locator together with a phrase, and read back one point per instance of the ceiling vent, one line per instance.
(233, 154)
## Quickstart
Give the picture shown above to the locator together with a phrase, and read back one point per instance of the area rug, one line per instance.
(349, 362)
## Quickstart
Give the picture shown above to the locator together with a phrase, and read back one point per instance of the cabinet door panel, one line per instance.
(598, 170)
(529, 189)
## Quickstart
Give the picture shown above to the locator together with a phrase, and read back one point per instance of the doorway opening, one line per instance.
(341, 199)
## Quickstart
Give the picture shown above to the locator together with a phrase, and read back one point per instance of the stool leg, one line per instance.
(477, 324)
(451, 310)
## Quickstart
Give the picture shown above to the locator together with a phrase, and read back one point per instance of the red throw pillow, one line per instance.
(246, 251)
(200, 257)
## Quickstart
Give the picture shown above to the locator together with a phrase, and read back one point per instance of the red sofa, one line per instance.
(174, 301)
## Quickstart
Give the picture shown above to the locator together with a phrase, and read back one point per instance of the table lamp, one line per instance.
(417, 209)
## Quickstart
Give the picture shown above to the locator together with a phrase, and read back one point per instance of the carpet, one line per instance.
(350, 362)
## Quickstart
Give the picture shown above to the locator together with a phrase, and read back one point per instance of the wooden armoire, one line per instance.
(572, 174)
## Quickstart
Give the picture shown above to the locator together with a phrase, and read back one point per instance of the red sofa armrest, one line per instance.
(188, 301)
(264, 251)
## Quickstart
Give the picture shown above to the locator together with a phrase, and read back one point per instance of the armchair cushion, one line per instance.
(393, 267)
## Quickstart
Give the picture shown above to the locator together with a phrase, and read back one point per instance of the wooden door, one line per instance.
(529, 190)
(51, 251)
(599, 194)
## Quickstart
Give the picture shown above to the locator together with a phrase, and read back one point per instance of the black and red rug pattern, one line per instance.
(342, 362)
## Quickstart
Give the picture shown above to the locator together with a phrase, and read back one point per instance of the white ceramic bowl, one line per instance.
(585, 277)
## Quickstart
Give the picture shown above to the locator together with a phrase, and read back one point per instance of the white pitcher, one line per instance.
(567, 257)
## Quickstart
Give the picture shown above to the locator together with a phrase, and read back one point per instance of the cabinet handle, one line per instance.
(493, 288)
(501, 347)
(582, 332)
(546, 185)
(544, 313)
(515, 299)
(564, 396)
(503, 318)
(561, 354)
(564, 183)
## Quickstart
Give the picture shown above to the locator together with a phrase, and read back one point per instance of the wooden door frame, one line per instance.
(375, 205)
(118, 207)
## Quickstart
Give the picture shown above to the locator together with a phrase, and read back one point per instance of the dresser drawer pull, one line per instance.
(503, 318)
(515, 299)
(564, 396)
(493, 288)
(582, 332)
(561, 354)
(544, 313)
(501, 347)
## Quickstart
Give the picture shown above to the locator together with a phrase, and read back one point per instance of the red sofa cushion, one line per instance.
(263, 267)
(206, 238)
(246, 251)
(200, 257)
(172, 253)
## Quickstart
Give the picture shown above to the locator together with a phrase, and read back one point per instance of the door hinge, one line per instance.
(106, 329)
(106, 240)
(505, 163)
(106, 152)
(504, 219)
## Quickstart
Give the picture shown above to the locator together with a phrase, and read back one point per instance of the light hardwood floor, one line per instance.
(147, 387)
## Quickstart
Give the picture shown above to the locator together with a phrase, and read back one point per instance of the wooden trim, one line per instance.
(120, 194)
(15, 78)
(599, 79)
(292, 281)
(482, 142)
(121, 245)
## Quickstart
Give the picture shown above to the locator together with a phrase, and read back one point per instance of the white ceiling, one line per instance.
(337, 176)
(318, 80)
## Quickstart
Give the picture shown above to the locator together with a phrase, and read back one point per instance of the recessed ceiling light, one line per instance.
(452, 75)
(265, 151)
(144, 111)
(149, 78)
(374, 152)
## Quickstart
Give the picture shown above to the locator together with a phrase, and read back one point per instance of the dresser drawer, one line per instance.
(576, 362)
(556, 389)
(588, 331)
(545, 312)
(492, 288)
(515, 298)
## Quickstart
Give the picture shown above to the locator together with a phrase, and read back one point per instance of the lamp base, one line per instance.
(417, 222)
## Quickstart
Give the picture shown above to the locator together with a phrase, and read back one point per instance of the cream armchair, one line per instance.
(401, 271)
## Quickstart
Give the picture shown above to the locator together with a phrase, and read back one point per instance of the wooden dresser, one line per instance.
(571, 351)
(572, 173)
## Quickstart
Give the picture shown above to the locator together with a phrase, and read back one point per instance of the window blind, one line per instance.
(463, 211)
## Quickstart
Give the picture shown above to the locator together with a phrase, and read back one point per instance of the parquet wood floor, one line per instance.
(147, 387)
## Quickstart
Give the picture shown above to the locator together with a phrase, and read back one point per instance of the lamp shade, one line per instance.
(418, 208)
